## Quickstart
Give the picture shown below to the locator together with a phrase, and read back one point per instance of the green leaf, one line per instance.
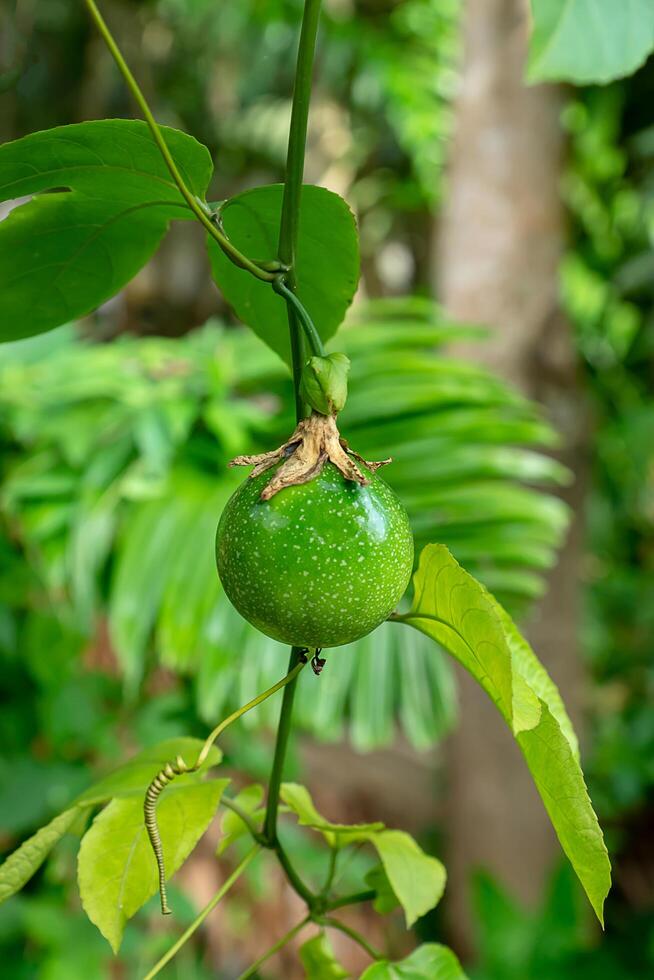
(192, 588)
(528, 667)
(105, 159)
(299, 800)
(130, 779)
(452, 608)
(134, 777)
(386, 899)
(589, 41)
(375, 689)
(232, 827)
(21, 865)
(117, 872)
(317, 958)
(154, 535)
(63, 254)
(416, 878)
(327, 261)
(429, 962)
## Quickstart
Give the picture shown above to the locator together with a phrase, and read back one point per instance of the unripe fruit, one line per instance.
(319, 564)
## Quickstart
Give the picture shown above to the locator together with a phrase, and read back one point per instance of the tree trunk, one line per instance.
(499, 242)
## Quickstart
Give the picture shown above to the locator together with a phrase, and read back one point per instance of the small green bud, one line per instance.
(324, 383)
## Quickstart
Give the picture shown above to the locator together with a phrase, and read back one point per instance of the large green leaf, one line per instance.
(327, 264)
(416, 878)
(130, 779)
(429, 962)
(527, 665)
(317, 958)
(117, 872)
(21, 865)
(63, 254)
(589, 41)
(105, 159)
(452, 608)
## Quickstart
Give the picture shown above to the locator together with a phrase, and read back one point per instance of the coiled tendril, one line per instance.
(179, 767)
(154, 790)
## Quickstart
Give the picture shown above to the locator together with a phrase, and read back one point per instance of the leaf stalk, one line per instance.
(198, 207)
(352, 933)
(312, 336)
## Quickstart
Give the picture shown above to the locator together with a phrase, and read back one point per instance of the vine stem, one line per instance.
(297, 138)
(197, 922)
(281, 744)
(331, 871)
(356, 898)
(197, 207)
(288, 232)
(291, 934)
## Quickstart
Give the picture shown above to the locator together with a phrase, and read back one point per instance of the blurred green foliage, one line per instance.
(381, 110)
(70, 506)
(608, 286)
(116, 473)
(608, 289)
(553, 942)
(113, 476)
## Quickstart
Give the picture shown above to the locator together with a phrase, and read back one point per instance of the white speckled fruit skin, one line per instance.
(318, 565)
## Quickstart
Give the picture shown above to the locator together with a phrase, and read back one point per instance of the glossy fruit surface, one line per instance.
(319, 564)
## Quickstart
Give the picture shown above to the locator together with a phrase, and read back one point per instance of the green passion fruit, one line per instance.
(320, 563)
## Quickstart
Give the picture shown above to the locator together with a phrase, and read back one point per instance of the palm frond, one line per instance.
(116, 477)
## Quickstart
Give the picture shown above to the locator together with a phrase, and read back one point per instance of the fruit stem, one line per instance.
(283, 732)
(297, 138)
(270, 837)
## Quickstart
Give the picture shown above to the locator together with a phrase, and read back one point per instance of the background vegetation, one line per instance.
(115, 434)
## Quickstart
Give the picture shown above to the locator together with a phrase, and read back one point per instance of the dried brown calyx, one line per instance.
(315, 441)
